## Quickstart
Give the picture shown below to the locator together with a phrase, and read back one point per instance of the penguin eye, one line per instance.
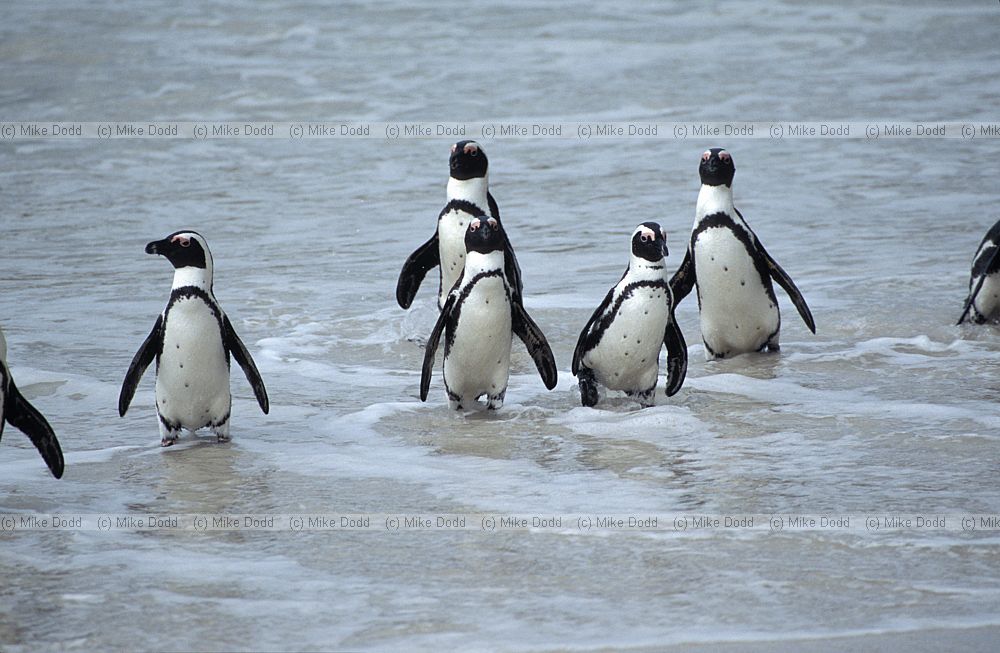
(644, 238)
(706, 156)
(724, 155)
(492, 222)
(474, 225)
(183, 241)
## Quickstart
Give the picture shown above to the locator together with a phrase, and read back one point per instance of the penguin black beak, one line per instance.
(154, 247)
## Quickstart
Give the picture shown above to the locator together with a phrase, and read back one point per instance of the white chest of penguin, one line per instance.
(192, 381)
(482, 337)
(451, 239)
(627, 356)
(737, 313)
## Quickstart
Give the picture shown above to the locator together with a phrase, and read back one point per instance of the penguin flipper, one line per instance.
(512, 270)
(970, 300)
(432, 344)
(148, 350)
(677, 356)
(493, 206)
(534, 340)
(239, 351)
(511, 267)
(32, 423)
(683, 280)
(423, 259)
(785, 281)
(586, 341)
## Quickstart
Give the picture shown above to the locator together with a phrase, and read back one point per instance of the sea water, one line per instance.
(889, 409)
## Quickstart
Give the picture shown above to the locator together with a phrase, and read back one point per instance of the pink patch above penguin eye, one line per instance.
(474, 225)
(724, 155)
(706, 156)
(492, 222)
(472, 149)
(183, 241)
(454, 148)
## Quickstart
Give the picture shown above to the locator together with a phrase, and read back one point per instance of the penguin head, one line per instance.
(467, 161)
(649, 242)
(483, 235)
(184, 249)
(717, 167)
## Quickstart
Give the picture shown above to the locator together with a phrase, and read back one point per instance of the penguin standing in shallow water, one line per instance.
(620, 346)
(478, 319)
(191, 342)
(732, 270)
(983, 303)
(15, 410)
(468, 197)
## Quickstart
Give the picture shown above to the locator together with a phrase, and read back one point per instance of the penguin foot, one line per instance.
(588, 387)
(169, 432)
(646, 398)
(222, 431)
(494, 402)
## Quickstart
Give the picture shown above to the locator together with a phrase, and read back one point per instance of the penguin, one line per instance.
(478, 319)
(15, 410)
(191, 342)
(620, 346)
(983, 303)
(468, 198)
(732, 270)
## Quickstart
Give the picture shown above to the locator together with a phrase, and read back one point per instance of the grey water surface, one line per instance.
(889, 408)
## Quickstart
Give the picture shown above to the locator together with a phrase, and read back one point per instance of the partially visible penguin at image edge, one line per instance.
(983, 302)
(19, 413)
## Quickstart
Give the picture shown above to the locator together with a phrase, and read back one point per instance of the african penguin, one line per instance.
(478, 319)
(191, 342)
(983, 303)
(16, 410)
(620, 346)
(732, 270)
(468, 198)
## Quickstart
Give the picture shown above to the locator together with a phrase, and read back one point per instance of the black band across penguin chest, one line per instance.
(452, 223)
(627, 293)
(456, 312)
(724, 221)
(176, 332)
